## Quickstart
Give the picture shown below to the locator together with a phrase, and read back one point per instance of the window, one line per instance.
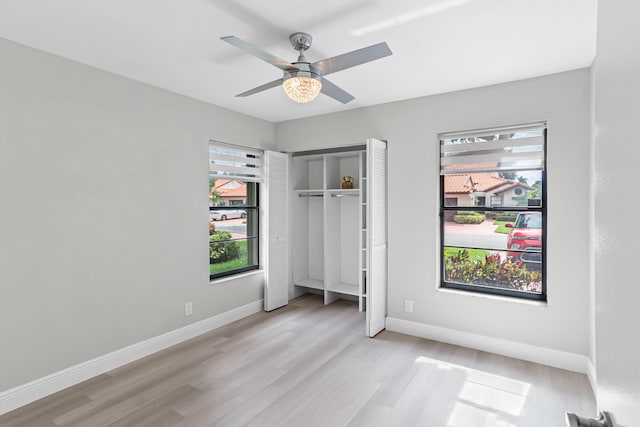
(496, 248)
(495, 201)
(234, 209)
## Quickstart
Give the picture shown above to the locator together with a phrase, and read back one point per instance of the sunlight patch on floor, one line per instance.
(485, 399)
(465, 416)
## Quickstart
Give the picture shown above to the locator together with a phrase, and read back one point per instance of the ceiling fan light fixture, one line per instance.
(302, 80)
(302, 88)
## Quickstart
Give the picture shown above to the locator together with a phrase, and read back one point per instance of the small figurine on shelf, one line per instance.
(346, 182)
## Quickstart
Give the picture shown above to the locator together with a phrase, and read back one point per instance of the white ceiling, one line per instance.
(438, 45)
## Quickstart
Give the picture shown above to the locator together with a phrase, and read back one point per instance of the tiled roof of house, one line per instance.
(483, 182)
(231, 188)
(457, 183)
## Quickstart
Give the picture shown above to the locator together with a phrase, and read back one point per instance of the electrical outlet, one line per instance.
(188, 308)
(408, 305)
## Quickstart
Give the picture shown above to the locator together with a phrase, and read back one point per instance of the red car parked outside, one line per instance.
(525, 239)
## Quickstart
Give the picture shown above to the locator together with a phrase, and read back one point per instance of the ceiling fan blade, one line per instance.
(259, 53)
(335, 92)
(353, 58)
(261, 88)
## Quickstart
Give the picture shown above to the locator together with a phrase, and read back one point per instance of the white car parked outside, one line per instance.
(223, 215)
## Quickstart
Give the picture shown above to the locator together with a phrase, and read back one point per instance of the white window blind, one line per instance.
(513, 148)
(233, 162)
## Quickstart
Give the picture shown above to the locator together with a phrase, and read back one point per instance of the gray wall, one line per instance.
(411, 128)
(103, 224)
(616, 74)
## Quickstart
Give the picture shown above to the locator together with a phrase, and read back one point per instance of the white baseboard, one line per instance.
(24, 394)
(545, 356)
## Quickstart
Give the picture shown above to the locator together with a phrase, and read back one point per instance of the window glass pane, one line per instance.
(494, 189)
(492, 269)
(494, 248)
(494, 230)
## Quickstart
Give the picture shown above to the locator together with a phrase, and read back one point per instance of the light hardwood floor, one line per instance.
(311, 365)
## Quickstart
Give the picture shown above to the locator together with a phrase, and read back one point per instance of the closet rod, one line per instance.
(310, 195)
(345, 195)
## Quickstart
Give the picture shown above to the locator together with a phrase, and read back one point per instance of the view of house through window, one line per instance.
(493, 211)
(233, 210)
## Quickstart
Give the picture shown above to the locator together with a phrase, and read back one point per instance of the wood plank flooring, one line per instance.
(311, 365)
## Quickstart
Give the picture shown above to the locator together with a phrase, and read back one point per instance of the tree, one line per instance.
(537, 190)
(508, 175)
(214, 195)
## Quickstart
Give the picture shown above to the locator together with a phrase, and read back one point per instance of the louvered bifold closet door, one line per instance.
(276, 292)
(377, 236)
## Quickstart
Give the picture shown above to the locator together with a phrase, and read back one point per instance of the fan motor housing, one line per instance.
(304, 69)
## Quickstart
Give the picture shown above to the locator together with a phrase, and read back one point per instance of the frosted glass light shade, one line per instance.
(302, 89)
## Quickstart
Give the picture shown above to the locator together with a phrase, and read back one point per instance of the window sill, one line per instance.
(494, 297)
(235, 276)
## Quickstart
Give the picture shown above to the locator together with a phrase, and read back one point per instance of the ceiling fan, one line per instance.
(302, 80)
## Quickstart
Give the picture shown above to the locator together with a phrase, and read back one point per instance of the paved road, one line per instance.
(496, 241)
(475, 235)
(236, 227)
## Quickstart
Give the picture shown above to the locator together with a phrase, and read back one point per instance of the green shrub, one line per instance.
(474, 218)
(222, 249)
(495, 215)
(509, 216)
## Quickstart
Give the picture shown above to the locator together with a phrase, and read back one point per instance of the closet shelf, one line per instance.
(344, 190)
(311, 283)
(344, 288)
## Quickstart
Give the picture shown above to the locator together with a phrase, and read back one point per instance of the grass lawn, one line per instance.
(473, 253)
(234, 263)
(501, 228)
